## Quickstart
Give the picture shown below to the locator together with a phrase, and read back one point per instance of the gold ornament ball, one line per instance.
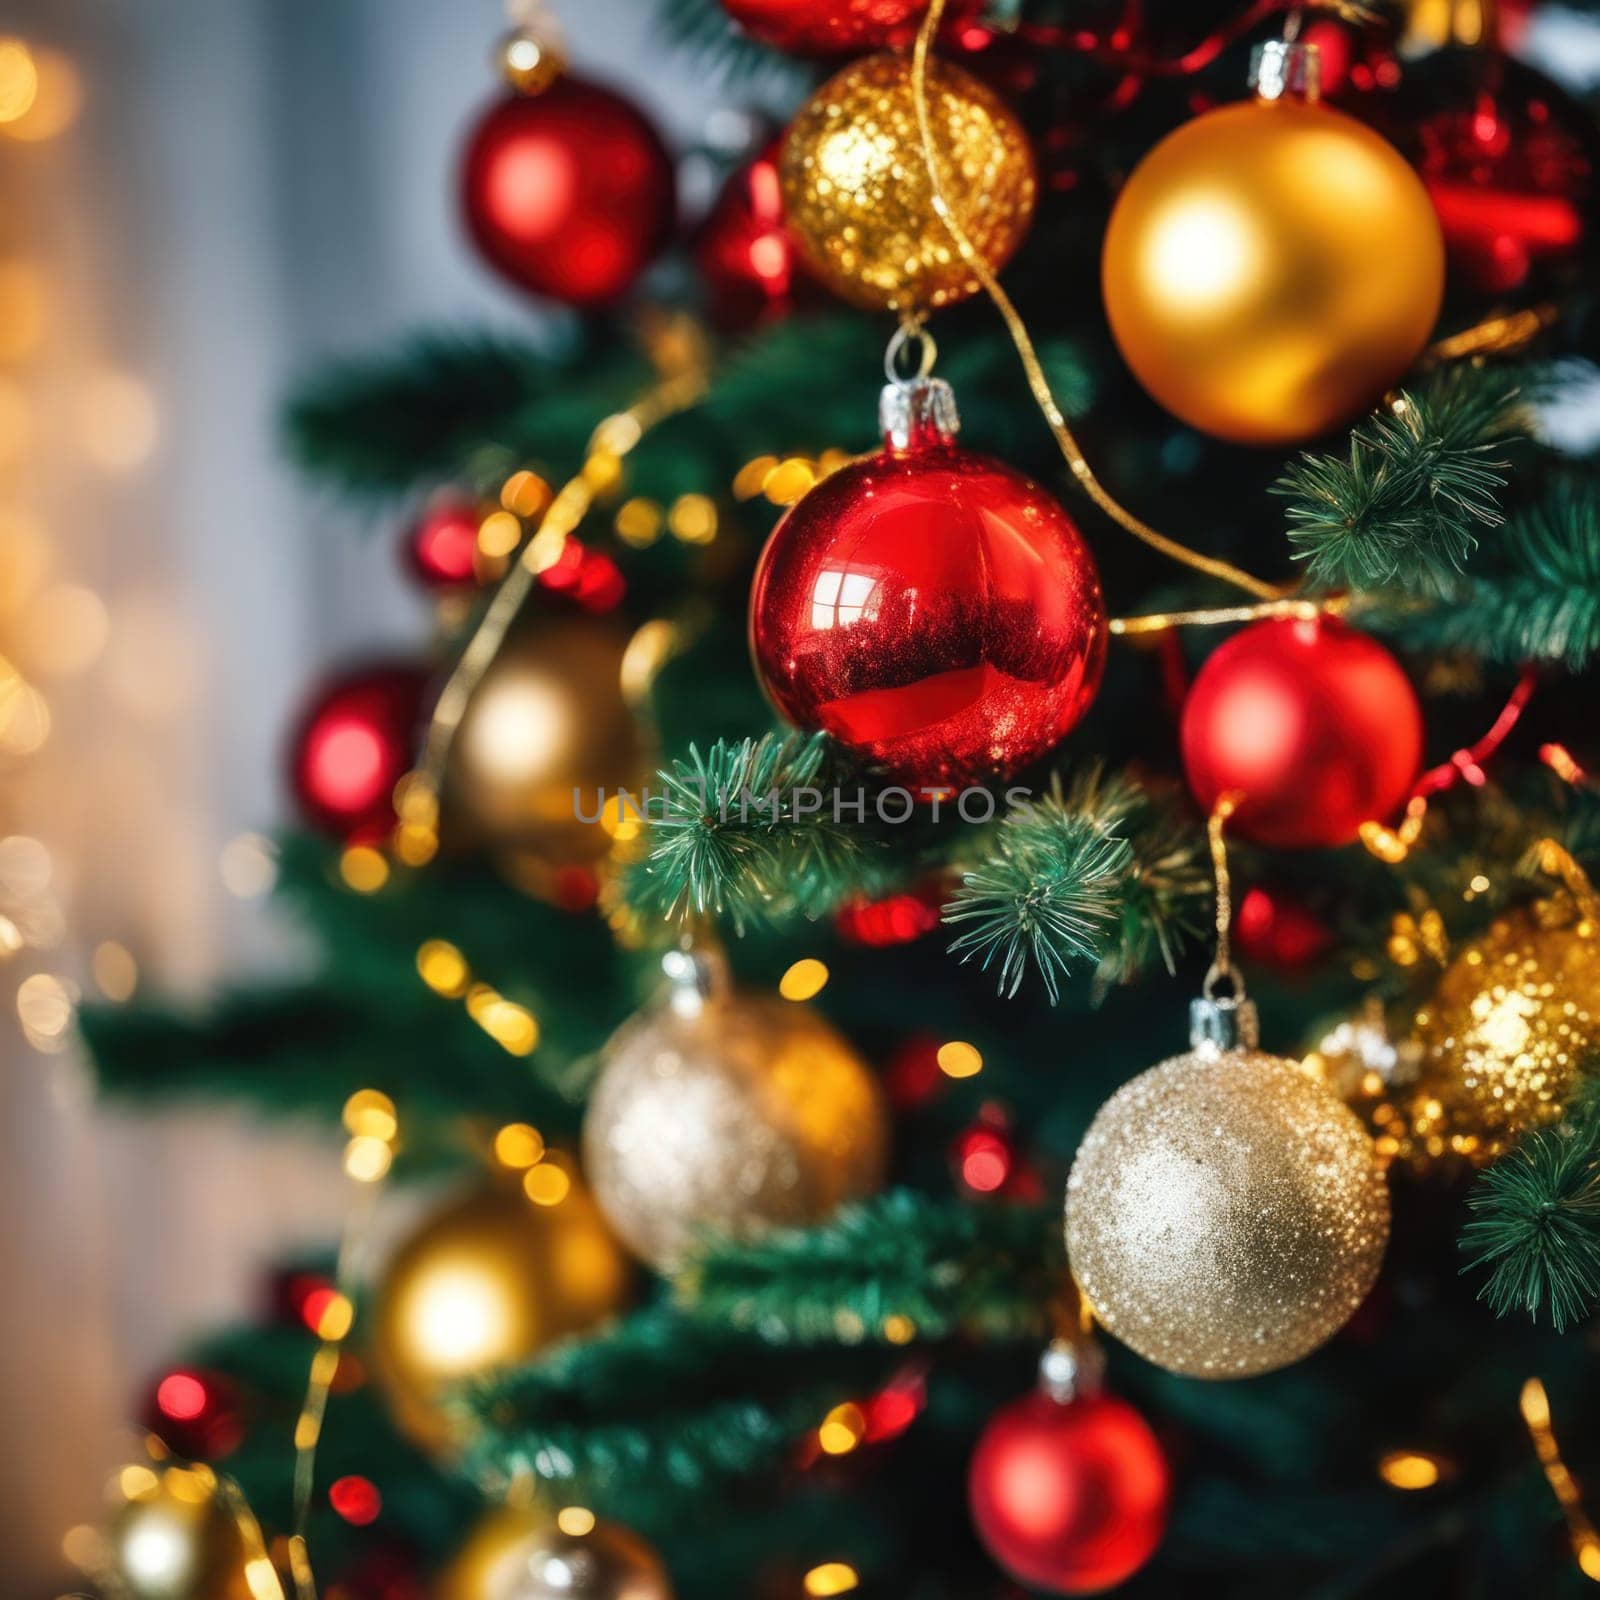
(549, 719)
(486, 1282)
(1225, 1214)
(1506, 1034)
(856, 192)
(724, 1113)
(530, 1555)
(173, 1539)
(1270, 269)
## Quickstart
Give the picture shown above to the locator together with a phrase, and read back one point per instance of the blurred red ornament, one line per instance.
(291, 1293)
(1356, 58)
(353, 746)
(442, 546)
(751, 269)
(1315, 726)
(1069, 1496)
(568, 192)
(828, 27)
(356, 1500)
(912, 1074)
(896, 919)
(1273, 929)
(195, 1413)
(929, 607)
(590, 577)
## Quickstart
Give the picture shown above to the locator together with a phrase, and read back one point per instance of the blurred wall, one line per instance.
(246, 186)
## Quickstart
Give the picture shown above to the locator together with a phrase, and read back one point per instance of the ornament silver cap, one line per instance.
(1219, 1022)
(1284, 69)
(696, 974)
(915, 407)
(1070, 1369)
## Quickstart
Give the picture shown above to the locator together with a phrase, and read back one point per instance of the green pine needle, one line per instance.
(1536, 1225)
(1406, 508)
(703, 29)
(1102, 875)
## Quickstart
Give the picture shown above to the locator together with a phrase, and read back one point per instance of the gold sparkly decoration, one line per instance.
(547, 738)
(857, 195)
(488, 1281)
(174, 1539)
(720, 1112)
(1271, 268)
(530, 1555)
(1506, 1033)
(1225, 1214)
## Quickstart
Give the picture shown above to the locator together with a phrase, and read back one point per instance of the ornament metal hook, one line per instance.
(912, 334)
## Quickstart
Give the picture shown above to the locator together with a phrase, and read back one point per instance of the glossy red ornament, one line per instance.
(1069, 1497)
(929, 607)
(751, 269)
(896, 919)
(354, 744)
(195, 1413)
(1313, 723)
(568, 192)
(441, 548)
(1273, 929)
(828, 27)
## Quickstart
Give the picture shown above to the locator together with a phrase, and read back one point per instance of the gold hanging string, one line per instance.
(1222, 965)
(1297, 610)
(1534, 1404)
(417, 800)
(1225, 571)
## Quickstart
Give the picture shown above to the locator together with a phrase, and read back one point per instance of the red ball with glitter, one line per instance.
(747, 260)
(1069, 1497)
(442, 545)
(929, 607)
(1313, 725)
(354, 744)
(195, 1413)
(828, 27)
(568, 192)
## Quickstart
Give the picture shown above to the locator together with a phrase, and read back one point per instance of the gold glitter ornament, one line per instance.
(1508, 1031)
(856, 192)
(719, 1112)
(174, 1539)
(1225, 1214)
(526, 1554)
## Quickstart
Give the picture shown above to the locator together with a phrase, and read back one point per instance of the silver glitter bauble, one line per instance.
(724, 1113)
(1225, 1214)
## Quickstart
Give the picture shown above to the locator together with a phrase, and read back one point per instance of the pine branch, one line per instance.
(662, 1408)
(703, 30)
(1407, 507)
(1543, 604)
(748, 832)
(945, 1266)
(1105, 875)
(1536, 1225)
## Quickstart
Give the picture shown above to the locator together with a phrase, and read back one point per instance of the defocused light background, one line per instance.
(198, 200)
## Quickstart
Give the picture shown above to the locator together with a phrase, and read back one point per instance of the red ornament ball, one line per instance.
(1315, 726)
(569, 192)
(749, 264)
(354, 745)
(441, 548)
(828, 27)
(1070, 1498)
(932, 609)
(195, 1413)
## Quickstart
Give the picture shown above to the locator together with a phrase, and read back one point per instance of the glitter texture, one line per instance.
(1225, 1214)
(749, 1113)
(856, 192)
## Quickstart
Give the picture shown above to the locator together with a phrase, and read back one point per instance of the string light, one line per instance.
(804, 980)
(519, 1146)
(116, 973)
(957, 1059)
(1411, 1469)
(831, 1578)
(1534, 1404)
(577, 1522)
(363, 869)
(842, 1430)
(249, 866)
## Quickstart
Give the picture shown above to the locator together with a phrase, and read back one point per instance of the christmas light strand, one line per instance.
(1294, 610)
(1534, 1404)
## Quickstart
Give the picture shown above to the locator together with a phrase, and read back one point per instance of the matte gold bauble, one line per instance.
(532, 1555)
(486, 1282)
(856, 192)
(546, 735)
(1508, 1031)
(173, 1539)
(1270, 269)
(1225, 1214)
(723, 1113)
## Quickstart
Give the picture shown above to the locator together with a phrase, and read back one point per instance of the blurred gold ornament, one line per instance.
(856, 191)
(532, 1555)
(488, 1281)
(1507, 1032)
(1429, 25)
(547, 734)
(722, 1112)
(174, 1539)
(1359, 1057)
(1225, 1214)
(1272, 267)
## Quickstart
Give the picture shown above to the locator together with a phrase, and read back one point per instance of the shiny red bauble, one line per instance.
(568, 192)
(1069, 1497)
(933, 610)
(1313, 724)
(441, 547)
(747, 260)
(828, 27)
(354, 744)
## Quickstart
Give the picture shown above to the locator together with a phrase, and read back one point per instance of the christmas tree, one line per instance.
(995, 973)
